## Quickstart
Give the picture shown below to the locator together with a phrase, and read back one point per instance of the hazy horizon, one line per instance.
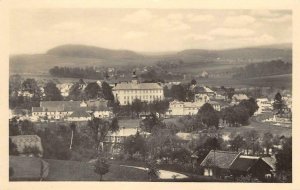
(147, 30)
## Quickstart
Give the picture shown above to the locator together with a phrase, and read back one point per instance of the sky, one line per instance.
(147, 30)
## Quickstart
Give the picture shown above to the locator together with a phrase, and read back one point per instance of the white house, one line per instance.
(178, 108)
(64, 88)
(237, 98)
(79, 116)
(58, 110)
(264, 105)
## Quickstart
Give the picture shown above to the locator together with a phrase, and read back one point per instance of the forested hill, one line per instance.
(276, 67)
(83, 51)
(86, 56)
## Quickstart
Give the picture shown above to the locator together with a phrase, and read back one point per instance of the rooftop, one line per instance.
(220, 159)
(137, 86)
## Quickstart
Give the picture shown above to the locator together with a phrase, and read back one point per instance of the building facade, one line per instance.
(127, 92)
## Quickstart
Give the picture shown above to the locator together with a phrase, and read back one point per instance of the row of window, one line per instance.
(142, 91)
(143, 97)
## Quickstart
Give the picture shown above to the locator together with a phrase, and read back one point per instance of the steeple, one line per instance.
(134, 78)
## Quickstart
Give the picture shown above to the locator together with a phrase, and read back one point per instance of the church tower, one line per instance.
(134, 78)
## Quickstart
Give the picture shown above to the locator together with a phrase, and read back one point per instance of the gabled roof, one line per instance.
(80, 113)
(244, 163)
(220, 159)
(137, 86)
(202, 89)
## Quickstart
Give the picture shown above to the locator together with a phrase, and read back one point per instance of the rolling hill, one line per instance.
(81, 56)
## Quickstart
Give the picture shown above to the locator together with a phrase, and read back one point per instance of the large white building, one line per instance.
(127, 92)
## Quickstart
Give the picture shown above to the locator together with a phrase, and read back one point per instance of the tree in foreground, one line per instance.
(153, 171)
(101, 167)
(73, 128)
(100, 128)
(251, 137)
(237, 143)
(284, 161)
(135, 144)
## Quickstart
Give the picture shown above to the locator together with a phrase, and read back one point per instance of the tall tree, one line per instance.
(251, 137)
(101, 167)
(137, 106)
(52, 93)
(76, 93)
(267, 141)
(152, 124)
(73, 129)
(284, 160)
(107, 91)
(100, 129)
(178, 92)
(14, 127)
(135, 144)
(250, 105)
(12, 148)
(153, 172)
(159, 106)
(208, 116)
(93, 90)
(30, 85)
(27, 127)
(237, 143)
(278, 104)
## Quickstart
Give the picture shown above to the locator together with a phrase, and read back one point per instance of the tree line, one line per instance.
(49, 92)
(275, 67)
(76, 72)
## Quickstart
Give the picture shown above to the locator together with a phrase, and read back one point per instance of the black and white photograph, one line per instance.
(150, 95)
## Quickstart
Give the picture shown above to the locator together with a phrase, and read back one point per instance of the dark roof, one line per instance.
(80, 113)
(37, 109)
(25, 168)
(220, 159)
(70, 106)
(52, 106)
(244, 163)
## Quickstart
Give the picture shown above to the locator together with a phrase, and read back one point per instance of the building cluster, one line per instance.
(226, 164)
(71, 110)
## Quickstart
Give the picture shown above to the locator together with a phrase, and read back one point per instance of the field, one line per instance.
(258, 126)
(278, 81)
(82, 171)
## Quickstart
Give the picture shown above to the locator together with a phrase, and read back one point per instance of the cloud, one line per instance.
(135, 35)
(232, 32)
(267, 13)
(284, 18)
(238, 21)
(175, 16)
(264, 39)
(199, 17)
(139, 16)
(167, 24)
(198, 37)
(67, 26)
